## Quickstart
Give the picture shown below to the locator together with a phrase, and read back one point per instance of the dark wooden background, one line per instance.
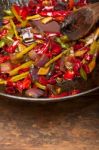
(69, 125)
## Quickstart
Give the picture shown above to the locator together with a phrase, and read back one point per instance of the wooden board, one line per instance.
(70, 125)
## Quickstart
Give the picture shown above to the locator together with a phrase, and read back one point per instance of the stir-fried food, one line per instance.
(35, 58)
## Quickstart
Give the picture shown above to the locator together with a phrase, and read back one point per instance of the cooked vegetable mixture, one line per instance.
(35, 61)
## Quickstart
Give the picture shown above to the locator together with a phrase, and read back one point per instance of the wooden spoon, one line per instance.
(80, 22)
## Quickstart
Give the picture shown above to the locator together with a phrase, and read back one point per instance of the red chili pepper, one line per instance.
(59, 95)
(10, 90)
(42, 48)
(81, 3)
(12, 48)
(56, 48)
(22, 85)
(69, 75)
(10, 83)
(88, 57)
(55, 13)
(26, 83)
(4, 76)
(86, 68)
(10, 87)
(52, 79)
(43, 80)
(4, 58)
(74, 92)
(77, 65)
(78, 46)
(21, 11)
(34, 8)
(24, 12)
(19, 86)
(3, 32)
(59, 18)
(23, 70)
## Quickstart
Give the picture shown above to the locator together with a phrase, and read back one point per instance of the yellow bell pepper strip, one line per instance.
(2, 82)
(21, 47)
(19, 77)
(14, 29)
(92, 65)
(20, 54)
(34, 17)
(25, 65)
(8, 12)
(94, 47)
(7, 17)
(46, 20)
(40, 86)
(15, 78)
(57, 57)
(43, 71)
(96, 34)
(64, 39)
(91, 38)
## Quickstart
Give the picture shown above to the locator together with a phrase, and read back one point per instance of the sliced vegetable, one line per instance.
(83, 73)
(43, 71)
(25, 65)
(19, 77)
(34, 92)
(92, 65)
(57, 57)
(27, 49)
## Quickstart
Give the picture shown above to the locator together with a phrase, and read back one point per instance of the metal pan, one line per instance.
(85, 87)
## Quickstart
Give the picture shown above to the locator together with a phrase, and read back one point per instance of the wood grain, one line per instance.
(70, 125)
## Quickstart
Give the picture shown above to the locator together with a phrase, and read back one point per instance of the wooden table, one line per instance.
(69, 125)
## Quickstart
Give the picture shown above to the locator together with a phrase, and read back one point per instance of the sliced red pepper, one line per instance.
(69, 75)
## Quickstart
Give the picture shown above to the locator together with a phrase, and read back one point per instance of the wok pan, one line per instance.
(85, 87)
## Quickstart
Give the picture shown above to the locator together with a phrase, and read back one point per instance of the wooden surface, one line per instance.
(70, 125)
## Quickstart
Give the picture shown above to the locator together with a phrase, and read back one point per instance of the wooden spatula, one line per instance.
(80, 22)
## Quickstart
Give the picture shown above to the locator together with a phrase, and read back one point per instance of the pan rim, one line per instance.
(30, 99)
